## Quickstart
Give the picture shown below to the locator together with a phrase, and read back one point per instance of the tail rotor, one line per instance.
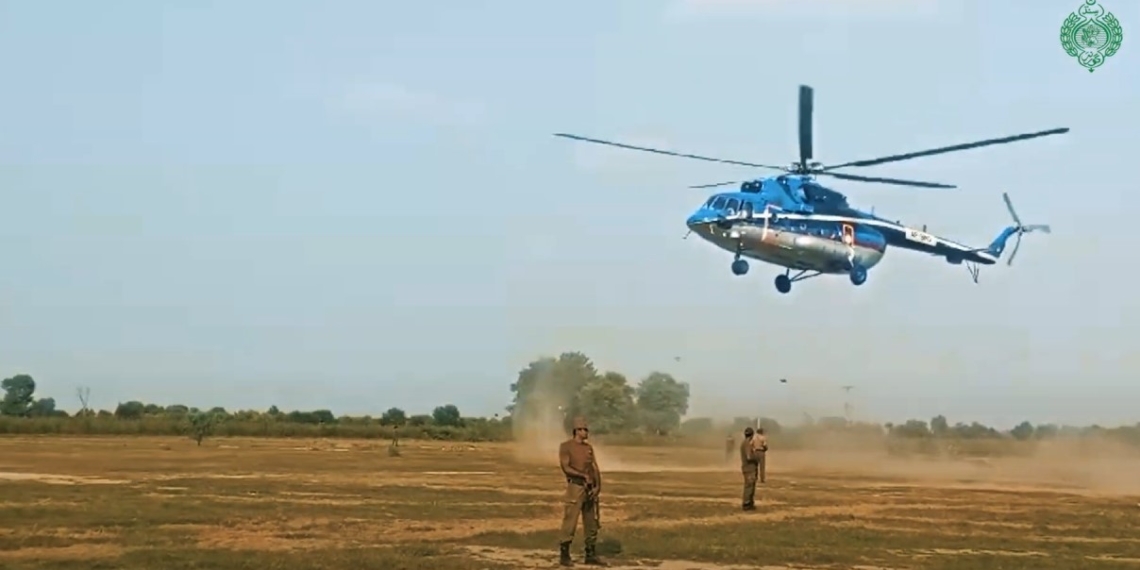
(1021, 228)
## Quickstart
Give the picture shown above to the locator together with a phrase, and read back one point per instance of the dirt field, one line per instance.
(161, 503)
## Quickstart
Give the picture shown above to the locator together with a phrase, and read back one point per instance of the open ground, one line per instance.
(141, 502)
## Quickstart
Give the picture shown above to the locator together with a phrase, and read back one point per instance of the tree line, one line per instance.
(549, 388)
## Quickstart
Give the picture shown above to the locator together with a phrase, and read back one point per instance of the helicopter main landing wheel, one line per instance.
(858, 275)
(783, 283)
(739, 267)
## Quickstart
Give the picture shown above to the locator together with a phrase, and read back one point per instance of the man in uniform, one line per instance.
(583, 484)
(760, 448)
(748, 466)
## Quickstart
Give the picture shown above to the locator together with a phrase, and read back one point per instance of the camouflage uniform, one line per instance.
(760, 452)
(583, 483)
(749, 467)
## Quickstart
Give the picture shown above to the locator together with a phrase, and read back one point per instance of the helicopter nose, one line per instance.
(700, 217)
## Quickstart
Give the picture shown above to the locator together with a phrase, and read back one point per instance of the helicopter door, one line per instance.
(848, 235)
(746, 209)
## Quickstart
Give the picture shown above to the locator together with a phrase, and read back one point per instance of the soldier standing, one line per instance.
(760, 448)
(583, 484)
(748, 466)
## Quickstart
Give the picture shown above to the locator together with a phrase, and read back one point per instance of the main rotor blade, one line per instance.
(1038, 228)
(717, 184)
(807, 104)
(1009, 206)
(668, 152)
(1016, 246)
(896, 181)
(953, 148)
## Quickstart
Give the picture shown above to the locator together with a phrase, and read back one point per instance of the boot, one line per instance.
(592, 557)
(564, 554)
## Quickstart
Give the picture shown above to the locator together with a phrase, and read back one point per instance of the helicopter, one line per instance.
(792, 221)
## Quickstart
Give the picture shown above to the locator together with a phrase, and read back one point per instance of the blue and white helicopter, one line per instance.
(792, 221)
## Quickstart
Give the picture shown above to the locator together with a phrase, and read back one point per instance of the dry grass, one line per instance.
(134, 503)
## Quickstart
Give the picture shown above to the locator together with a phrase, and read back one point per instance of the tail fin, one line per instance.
(998, 244)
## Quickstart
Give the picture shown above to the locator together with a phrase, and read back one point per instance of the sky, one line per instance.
(358, 204)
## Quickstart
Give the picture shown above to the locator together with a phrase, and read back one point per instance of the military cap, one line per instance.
(748, 431)
(580, 423)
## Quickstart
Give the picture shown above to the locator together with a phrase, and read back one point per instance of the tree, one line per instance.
(446, 415)
(176, 410)
(912, 428)
(324, 417)
(697, 426)
(393, 417)
(974, 430)
(833, 423)
(549, 386)
(1045, 431)
(202, 424)
(661, 402)
(939, 426)
(770, 426)
(131, 410)
(1023, 431)
(19, 393)
(43, 407)
(607, 402)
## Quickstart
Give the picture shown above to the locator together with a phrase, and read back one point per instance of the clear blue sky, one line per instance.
(358, 204)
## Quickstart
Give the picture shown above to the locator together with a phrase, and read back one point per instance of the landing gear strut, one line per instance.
(858, 275)
(784, 280)
(739, 266)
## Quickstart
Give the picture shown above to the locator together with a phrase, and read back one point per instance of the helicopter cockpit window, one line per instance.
(719, 202)
(709, 203)
(733, 205)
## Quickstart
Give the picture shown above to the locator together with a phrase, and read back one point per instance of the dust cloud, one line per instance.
(541, 429)
(1091, 464)
(1085, 465)
(538, 432)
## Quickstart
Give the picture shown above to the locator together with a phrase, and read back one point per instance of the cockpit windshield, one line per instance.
(719, 202)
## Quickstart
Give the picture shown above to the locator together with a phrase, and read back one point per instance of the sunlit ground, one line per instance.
(135, 503)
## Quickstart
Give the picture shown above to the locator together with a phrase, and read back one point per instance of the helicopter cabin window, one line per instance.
(719, 202)
(747, 207)
(733, 204)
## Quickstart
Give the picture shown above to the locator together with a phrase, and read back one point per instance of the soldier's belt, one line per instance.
(576, 481)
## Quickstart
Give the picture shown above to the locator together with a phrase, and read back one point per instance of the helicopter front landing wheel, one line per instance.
(858, 275)
(783, 283)
(739, 267)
